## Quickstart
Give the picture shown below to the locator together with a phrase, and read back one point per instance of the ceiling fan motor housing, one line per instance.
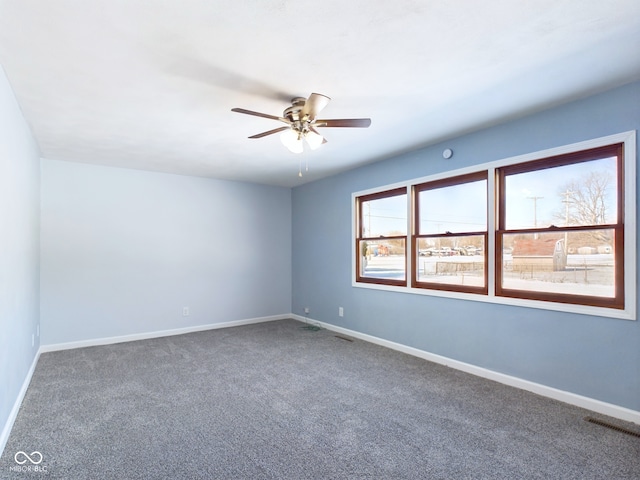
(292, 113)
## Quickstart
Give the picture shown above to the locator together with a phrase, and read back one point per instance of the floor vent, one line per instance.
(344, 338)
(612, 427)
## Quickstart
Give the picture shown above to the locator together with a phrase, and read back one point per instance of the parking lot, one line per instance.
(583, 275)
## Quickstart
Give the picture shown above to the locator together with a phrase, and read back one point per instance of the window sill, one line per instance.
(516, 302)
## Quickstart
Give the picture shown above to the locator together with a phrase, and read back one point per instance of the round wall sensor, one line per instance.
(448, 153)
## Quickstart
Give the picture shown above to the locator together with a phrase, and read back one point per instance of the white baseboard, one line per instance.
(594, 405)
(161, 333)
(6, 430)
(598, 406)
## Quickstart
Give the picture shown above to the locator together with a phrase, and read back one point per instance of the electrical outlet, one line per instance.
(341, 311)
(306, 310)
(185, 311)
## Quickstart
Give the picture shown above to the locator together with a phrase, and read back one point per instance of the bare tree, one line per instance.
(589, 200)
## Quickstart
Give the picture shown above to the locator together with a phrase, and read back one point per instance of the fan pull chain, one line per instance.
(300, 168)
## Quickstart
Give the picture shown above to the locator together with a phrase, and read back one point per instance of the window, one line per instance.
(553, 229)
(450, 239)
(382, 237)
(560, 229)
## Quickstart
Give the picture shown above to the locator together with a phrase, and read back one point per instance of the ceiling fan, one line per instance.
(302, 123)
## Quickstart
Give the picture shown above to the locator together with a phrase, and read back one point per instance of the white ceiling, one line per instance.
(149, 84)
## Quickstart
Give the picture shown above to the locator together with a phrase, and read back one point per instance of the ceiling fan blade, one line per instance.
(314, 104)
(270, 132)
(258, 114)
(344, 122)
(324, 140)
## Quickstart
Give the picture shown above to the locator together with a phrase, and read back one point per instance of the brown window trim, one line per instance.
(360, 238)
(451, 181)
(415, 283)
(382, 281)
(442, 183)
(617, 145)
(618, 301)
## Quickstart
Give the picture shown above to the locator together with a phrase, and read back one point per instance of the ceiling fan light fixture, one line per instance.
(291, 139)
(296, 147)
(314, 139)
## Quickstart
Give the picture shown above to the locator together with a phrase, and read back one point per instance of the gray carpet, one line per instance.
(276, 401)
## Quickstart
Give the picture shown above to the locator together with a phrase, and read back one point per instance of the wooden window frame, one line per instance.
(618, 300)
(416, 235)
(624, 304)
(361, 238)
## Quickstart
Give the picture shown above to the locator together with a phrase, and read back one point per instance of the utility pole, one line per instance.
(535, 214)
(567, 194)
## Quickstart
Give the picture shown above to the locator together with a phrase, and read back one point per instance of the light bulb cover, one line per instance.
(314, 140)
(291, 139)
(296, 147)
(288, 137)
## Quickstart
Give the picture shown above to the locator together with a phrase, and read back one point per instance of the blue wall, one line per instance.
(19, 255)
(123, 251)
(592, 356)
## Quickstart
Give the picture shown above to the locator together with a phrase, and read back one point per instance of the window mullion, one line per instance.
(490, 259)
(409, 251)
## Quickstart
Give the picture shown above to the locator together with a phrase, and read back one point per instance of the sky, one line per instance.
(461, 208)
(458, 208)
(547, 186)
